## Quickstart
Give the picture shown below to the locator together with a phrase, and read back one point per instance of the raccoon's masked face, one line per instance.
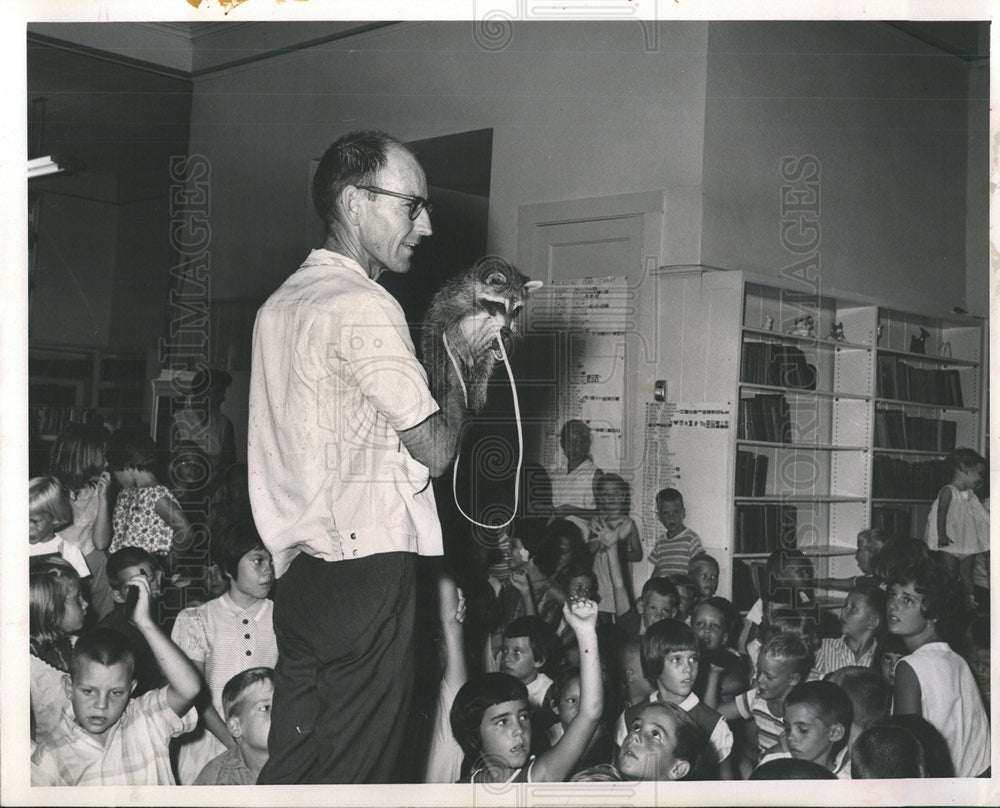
(495, 310)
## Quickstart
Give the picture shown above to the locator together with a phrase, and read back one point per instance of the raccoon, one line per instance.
(492, 288)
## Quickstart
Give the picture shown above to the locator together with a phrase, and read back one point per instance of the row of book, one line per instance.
(751, 474)
(50, 420)
(776, 365)
(765, 417)
(765, 528)
(895, 478)
(894, 429)
(900, 380)
(893, 522)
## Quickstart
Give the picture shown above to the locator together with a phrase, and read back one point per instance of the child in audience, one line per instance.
(793, 621)
(563, 700)
(817, 722)
(664, 743)
(613, 532)
(578, 581)
(107, 739)
(123, 565)
(675, 548)
(862, 620)
(870, 695)
(784, 661)
(227, 635)
(635, 687)
(789, 583)
(687, 595)
(711, 622)
(78, 462)
(789, 768)
(56, 613)
(870, 541)
(146, 513)
(49, 510)
(246, 704)
(444, 758)
(659, 599)
(887, 752)
(490, 717)
(891, 649)
(670, 658)
(925, 609)
(528, 647)
(895, 556)
(937, 757)
(958, 525)
(704, 570)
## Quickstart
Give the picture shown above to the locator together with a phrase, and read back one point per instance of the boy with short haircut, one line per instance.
(687, 595)
(105, 739)
(704, 570)
(887, 752)
(246, 705)
(659, 599)
(670, 658)
(528, 644)
(123, 565)
(675, 548)
(784, 661)
(870, 695)
(817, 720)
(862, 621)
(564, 701)
(711, 622)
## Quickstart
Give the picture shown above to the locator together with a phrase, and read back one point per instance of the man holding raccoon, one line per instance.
(344, 436)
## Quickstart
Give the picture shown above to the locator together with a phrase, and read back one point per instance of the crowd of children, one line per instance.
(554, 665)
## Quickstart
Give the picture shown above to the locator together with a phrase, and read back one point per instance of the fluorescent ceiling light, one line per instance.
(41, 166)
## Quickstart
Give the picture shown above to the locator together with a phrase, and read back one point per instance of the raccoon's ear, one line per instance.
(531, 286)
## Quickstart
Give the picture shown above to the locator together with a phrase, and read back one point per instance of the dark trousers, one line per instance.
(344, 676)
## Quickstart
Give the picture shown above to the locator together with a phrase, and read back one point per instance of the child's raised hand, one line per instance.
(141, 612)
(580, 614)
(519, 580)
(452, 601)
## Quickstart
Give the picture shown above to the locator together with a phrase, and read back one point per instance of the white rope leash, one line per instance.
(520, 437)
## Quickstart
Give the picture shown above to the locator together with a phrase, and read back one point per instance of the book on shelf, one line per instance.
(765, 527)
(893, 522)
(776, 365)
(896, 478)
(751, 474)
(765, 417)
(901, 380)
(895, 429)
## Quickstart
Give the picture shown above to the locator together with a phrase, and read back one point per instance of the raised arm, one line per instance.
(452, 616)
(555, 764)
(183, 681)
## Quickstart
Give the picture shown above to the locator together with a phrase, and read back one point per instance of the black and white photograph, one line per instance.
(497, 404)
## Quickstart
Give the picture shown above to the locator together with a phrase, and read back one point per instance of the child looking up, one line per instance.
(78, 461)
(663, 743)
(490, 717)
(817, 721)
(107, 738)
(862, 621)
(246, 704)
(227, 635)
(675, 548)
(925, 608)
(613, 531)
(670, 658)
(49, 510)
(56, 613)
(146, 514)
(958, 525)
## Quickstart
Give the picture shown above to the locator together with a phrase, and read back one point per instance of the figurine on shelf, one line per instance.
(837, 333)
(768, 323)
(945, 349)
(919, 344)
(803, 326)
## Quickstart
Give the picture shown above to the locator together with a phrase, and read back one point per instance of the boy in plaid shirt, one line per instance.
(104, 739)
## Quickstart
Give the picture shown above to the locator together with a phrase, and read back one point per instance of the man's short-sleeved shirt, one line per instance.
(334, 380)
(135, 752)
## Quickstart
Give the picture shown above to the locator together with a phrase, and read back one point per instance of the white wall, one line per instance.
(884, 115)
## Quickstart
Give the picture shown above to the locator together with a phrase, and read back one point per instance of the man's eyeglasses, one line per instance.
(416, 203)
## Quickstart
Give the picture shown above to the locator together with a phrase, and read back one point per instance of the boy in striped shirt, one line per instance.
(673, 552)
